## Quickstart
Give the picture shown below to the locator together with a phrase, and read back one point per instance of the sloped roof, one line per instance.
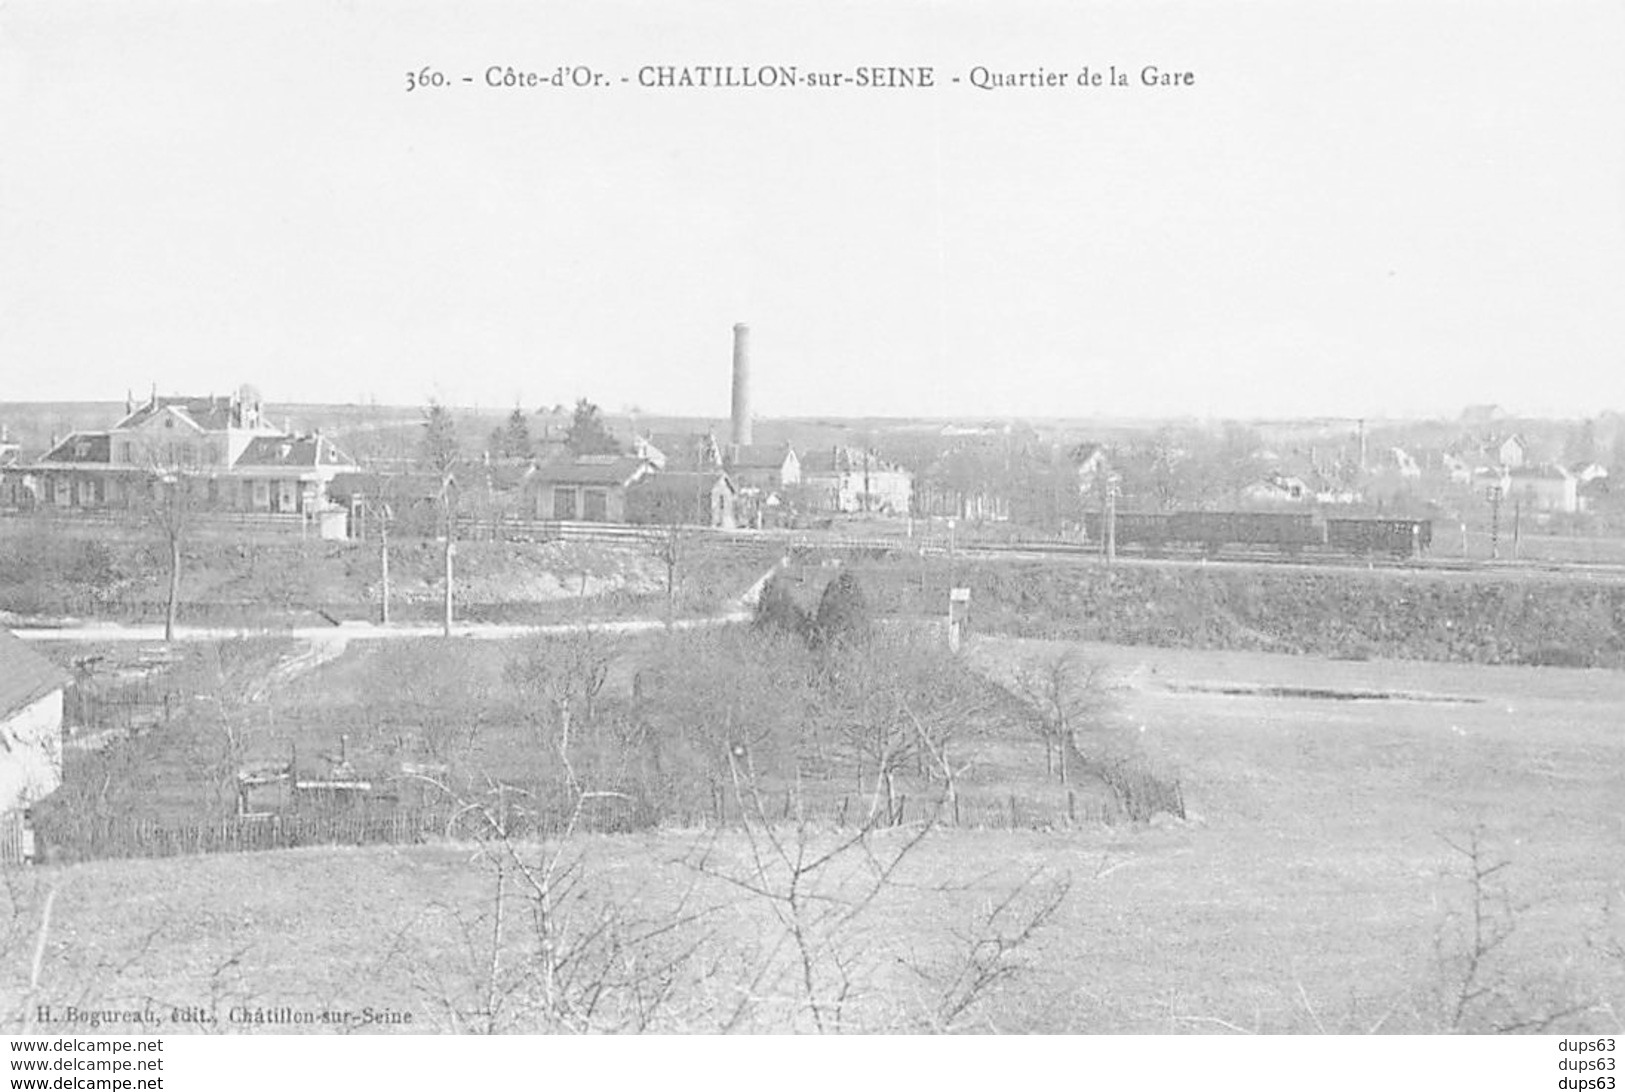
(25, 675)
(759, 456)
(82, 447)
(302, 451)
(680, 483)
(688, 449)
(211, 413)
(1545, 473)
(592, 470)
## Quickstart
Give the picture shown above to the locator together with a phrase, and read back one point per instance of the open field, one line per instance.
(1313, 888)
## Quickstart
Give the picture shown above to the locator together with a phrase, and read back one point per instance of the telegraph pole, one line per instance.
(451, 547)
(1495, 522)
(1111, 518)
(383, 546)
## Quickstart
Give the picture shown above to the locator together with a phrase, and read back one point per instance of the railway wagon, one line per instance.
(1148, 530)
(1290, 531)
(1399, 537)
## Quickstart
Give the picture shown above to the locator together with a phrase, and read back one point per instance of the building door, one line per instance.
(564, 503)
(287, 496)
(595, 505)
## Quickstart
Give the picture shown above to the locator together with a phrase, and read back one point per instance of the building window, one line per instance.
(262, 494)
(564, 503)
(62, 492)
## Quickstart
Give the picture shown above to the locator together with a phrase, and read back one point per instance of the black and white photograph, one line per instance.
(924, 517)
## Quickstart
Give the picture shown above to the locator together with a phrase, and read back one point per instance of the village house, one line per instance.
(843, 479)
(1459, 470)
(1403, 463)
(222, 447)
(31, 689)
(1487, 479)
(702, 498)
(764, 467)
(1543, 488)
(1513, 452)
(1588, 472)
(679, 451)
(1278, 489)
(761, 475)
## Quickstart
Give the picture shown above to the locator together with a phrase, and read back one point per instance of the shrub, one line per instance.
(777, 609)
(843, 614)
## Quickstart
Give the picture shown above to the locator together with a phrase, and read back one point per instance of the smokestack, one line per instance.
(741, 399)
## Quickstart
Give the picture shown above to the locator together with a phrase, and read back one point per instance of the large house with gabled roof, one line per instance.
(221, 446)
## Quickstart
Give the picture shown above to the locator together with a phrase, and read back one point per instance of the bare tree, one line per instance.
(441, 456)
(1066, 693)
(1480, 988)
(170, 507)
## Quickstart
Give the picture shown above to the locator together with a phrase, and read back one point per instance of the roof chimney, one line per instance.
(741, 392)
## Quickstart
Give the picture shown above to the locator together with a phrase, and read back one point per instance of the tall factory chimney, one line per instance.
(741, 400)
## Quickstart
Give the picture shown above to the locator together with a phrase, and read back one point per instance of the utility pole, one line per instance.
(1495, 522)
(383, 545)
(1111, 518)
(1517, 522)
(451, 547)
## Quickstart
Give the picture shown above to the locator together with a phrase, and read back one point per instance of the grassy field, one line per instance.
(1315, 886)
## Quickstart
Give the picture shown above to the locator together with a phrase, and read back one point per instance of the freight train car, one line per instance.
(1289, 532)
(1399, 537)
(1213, 531)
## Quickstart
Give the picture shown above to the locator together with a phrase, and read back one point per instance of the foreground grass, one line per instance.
(1317, 890)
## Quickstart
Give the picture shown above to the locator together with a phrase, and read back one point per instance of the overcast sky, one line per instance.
(1358, 209)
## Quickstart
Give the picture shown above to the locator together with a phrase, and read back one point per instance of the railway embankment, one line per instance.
(1487, 618)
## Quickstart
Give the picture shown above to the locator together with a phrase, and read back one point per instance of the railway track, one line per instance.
(1090, 553)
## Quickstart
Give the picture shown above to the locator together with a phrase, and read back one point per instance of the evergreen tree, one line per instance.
(515, 441)
(587, 434)
(843, 614)
(440, 452)
(777, 608)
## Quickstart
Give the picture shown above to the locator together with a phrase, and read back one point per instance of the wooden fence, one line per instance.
(100, 837)
(13, 844)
